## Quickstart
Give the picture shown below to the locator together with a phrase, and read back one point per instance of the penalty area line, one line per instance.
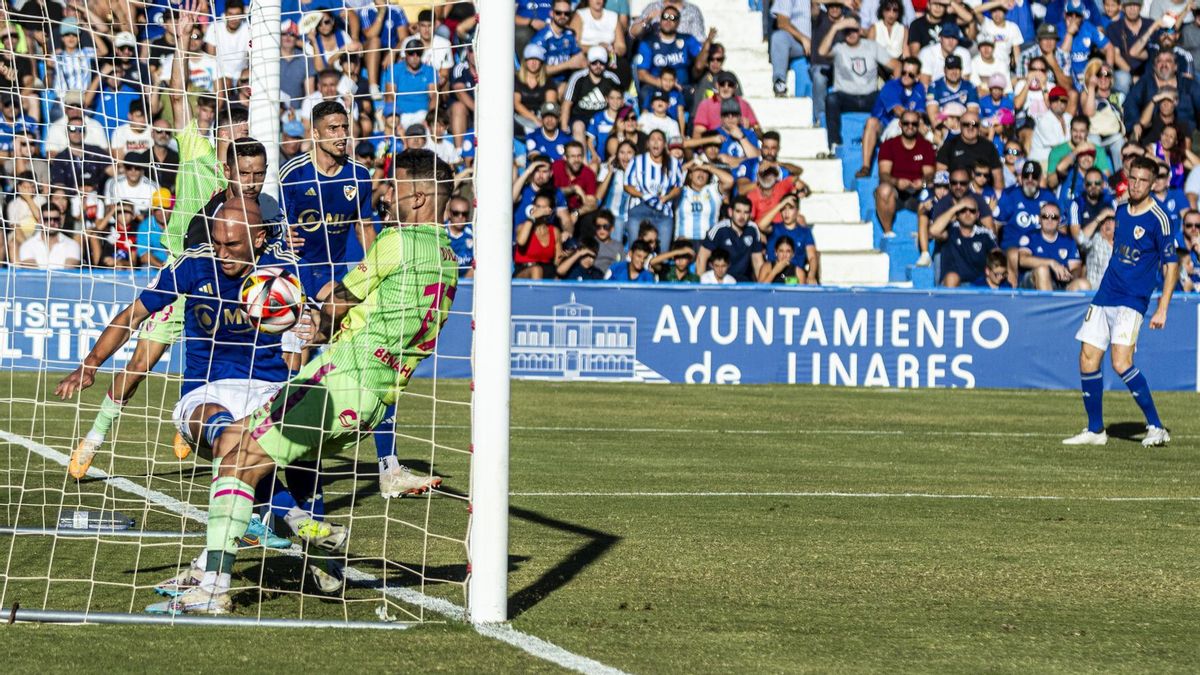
(951, 433)
(504, 632)
(862, 495)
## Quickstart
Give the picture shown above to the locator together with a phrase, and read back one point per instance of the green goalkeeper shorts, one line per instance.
(323, 409)
(164, 326)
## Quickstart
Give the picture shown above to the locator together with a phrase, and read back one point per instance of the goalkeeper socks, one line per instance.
(385, 439)
(1093, 399)
(109, 409)
(1140, 389)
(231, 502)
(215, 425)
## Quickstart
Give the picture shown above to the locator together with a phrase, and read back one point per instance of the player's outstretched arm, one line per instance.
(1170, 279)
(115, 335)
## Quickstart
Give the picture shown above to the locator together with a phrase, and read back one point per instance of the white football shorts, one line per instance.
(1103, 326)
(240, 397)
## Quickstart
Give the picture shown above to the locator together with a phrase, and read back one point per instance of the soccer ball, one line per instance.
(272, 299)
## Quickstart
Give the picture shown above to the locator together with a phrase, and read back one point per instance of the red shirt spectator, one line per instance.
(575, 179)
(908, 163)
(768, 191)
(708, 113)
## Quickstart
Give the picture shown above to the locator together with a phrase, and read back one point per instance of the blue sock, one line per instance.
(304, 491)
(1093, 399)
(385, 438)
(271, 491)
(215, 425)
(1141, 393)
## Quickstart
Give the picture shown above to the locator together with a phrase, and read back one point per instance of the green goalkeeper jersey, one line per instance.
(407, 282)
(200, 177)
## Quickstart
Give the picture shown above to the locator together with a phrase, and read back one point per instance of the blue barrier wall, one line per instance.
(741, 334)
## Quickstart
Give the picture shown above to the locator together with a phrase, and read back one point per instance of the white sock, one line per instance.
(215, 582)
(389, 463)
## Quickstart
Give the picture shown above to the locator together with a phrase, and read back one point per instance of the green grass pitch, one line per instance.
(672, 529)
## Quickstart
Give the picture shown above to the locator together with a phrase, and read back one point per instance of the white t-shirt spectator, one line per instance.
(980, 72)
(56, 136)
(118, 189)
(125, 140)
(1007, 38)
(933, 63)
(50, 253)
(710, 277)
(648, 122)
(233, 49)
(1048, 133)
(438, 54)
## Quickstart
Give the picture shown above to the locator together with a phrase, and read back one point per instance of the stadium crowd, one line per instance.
(1003, 125)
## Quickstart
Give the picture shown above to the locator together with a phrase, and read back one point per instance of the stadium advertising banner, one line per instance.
(697, 334)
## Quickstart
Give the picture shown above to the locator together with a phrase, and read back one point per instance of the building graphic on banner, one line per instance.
(573, 343)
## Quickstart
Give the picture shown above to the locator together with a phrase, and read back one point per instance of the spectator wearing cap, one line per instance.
(906, 164)
(939, 16)
(1099, 105)
(1057, 61)
(133, 136)
(563, 55)
(985, 66)
(770, 188)
(548, 140)
(1019, 209)
(929, 196)
(709, 111)
(995, 105)
(1129, 37)
(1006, 37)
(905, 92)
(132, 187)
(738, 142)
(1149, 92)
(1067, 164)
(690, 18)
(1168, 41)
(295, 68)
(587, 92)
(575, 179)
(739, 238)
(791, 38)
(705, 189)
(963, 243)
(228, 40)
(410, 86)
(670, 49)
(538, 179)
(1052, 128)
(970, 147)
(148, 238)
(655, 182)
(933, 57)
(601, 125)
(1080, 38)
(656, 117)
(855, 73)
(1048, 258)
(951, 88)
(49, 248)
(111, 241)
(73, 68)
(532, 89)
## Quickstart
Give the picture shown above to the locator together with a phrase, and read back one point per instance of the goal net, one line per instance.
(116, 119)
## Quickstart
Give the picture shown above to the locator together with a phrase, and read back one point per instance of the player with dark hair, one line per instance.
(1142, 244)
(385, 316)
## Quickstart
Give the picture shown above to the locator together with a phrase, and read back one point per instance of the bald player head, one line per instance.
(238, 234)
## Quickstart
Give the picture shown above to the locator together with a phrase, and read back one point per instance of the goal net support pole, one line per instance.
(487, 590)
(264, 77)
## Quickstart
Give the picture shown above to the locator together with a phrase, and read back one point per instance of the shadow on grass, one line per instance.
(1127, 431)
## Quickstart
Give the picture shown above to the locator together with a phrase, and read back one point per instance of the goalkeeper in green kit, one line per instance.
(387, 313)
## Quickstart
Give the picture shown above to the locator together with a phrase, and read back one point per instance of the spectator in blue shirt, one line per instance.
(1019, 209)
(563, 55)
(410, 86)
(903, 93)
(738, 237)
(951, 88)
(1079, 39)
(462, 235)
(548, 140)
(670, 50)
(532, 16)
(634, 269)
(996, 100)
(1050, 259)
(1095, 201)
(149, 234)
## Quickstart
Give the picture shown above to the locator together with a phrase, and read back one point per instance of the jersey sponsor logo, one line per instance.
(1138, 231)
(348, 419)
(211, 318)
(350, 191)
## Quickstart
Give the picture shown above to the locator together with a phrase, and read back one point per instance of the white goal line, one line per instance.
(529, 644)
(772, 432)
(864, 495)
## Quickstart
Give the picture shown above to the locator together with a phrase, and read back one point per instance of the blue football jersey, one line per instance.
(656, 55)
(551, 148)
(1141, 245)
(1062, 248)
(1019, 214)
(219, 342)
(325, 210)
(599, 128)
(464, 248)
(942, 93)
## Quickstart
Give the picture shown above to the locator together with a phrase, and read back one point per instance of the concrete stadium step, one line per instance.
(804, 143)
(783, 113)
(841, 237)
(831, 207)
(821, 175)
(863, 268)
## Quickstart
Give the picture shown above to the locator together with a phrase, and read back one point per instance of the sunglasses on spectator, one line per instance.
(908, 73)
(1095, 183)
(1037, 70)
(74, 128)
(717, 59)
(670, 17)
(969, 209)
(968, 125)
(604, 226)
(51, 219)
(959, 182)
(562, 13)
(460, 214)
(1104, 73)
(1191, 226)
(982, 174)
(909, 123)
(1050, 216)
(326, 22)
